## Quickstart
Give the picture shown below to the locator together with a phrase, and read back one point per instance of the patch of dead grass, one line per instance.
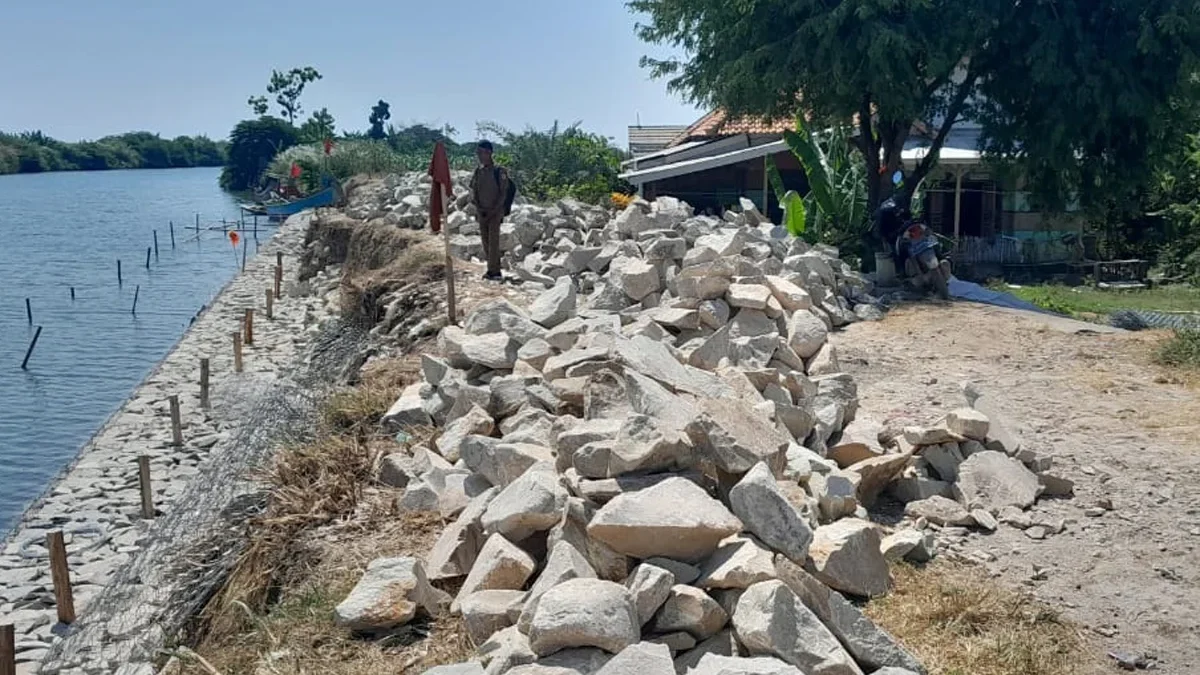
(957, 622)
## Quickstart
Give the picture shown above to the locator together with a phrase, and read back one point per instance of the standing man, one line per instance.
(489, 188)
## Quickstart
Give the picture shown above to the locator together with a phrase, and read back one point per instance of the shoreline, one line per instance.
(95, 498)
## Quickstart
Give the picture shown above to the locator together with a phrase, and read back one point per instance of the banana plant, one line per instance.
(835, 208)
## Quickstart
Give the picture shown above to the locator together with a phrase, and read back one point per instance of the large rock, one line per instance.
(940, 511)
(689, 609)
(507, 649)
(643, 658)
(877, 473)
(992, 480)
(453, 554)
(584, 613)
(500, 566)
(673, 519)
(846, 556)
(475, 422)
(736, 437)
(945, 459)
(871, 646)
(464, 350)
(635, 277)
(555, 305)
(650, 585)
(640, 446)
(721, 644)
(739, 562)
(806, 334)
(790, 296)
(757, 500)
(487, 612)
(770, 620)
(564, 563)
(532, 503)
(389, 594)
(408, 410)
(499, 462)
(654, 360)
(716, 664)
(750, 296)
(969, 423)
(607, 563)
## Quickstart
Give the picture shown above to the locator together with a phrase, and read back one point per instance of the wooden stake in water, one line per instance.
(270, 304)
(29, 311)
(176, 421)
(144, 483)
(197, 222)
(136, 292)
(249, 326)
(8, 649)
(156, 244)
(148, 249)
(32, 344)
(204, 384)
(237, 352)
(72, 294)
(119, 281)
(61, 576)
(171, 224)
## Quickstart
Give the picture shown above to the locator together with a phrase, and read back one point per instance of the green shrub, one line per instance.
(1182, 350)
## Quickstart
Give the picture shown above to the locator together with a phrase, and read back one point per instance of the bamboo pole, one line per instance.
(144, 483)
(171, 224)
(148, 250)
(270, 304)
(8, 649)
(156, 244)
(32, 344)
(136, 292)
(176, 421)
(249, 326)
(451, 300)
(237, 352)
(119, 280)
(29, 311)
(204, 384)
(278, 279)
(60, 574)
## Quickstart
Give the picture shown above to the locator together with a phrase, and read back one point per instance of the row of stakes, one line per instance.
(138, 291)
(64, 597)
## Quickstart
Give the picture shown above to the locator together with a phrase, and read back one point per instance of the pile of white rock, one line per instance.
(645, 469)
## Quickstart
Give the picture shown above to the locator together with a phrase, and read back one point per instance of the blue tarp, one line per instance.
(965, 290)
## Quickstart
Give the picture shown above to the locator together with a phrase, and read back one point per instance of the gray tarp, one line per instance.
(965, 290)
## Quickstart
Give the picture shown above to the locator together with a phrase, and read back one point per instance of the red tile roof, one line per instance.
(716, 124)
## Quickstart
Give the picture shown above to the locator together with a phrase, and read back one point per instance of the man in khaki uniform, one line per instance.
(489, 186)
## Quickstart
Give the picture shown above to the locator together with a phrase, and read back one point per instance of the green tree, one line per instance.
(252, 146)
(287, 88)
(559, 162)
(258, 104)
(318, 127)
(1072, 90)
(380, 113)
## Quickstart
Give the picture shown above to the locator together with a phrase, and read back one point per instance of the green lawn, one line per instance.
(1074, 300)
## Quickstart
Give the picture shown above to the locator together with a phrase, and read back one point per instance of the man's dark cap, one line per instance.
(485, 145)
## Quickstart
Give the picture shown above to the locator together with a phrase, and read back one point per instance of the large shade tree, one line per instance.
(1073, 90)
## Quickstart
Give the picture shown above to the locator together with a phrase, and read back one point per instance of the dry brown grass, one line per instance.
(958, 622)
(383, 259)
(324, 521)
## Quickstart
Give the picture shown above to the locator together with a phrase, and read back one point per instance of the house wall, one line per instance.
(717, 189)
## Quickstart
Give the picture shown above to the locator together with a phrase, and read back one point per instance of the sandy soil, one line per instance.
(1116, 425)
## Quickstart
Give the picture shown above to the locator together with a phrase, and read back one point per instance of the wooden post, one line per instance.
(245, 245)
(249, 326)
(61, 576)
(278, 279)
(119, 282)
(176, 423)
(136, 292)
(29, 311)
(8, 650)
(237, 352)
(197, 222)
(171, 224)
(32, 344)
(204, 384)
(451, 302)
(148, 249)
(279, 259)
(156, 244)
(270, 305)
(144, 483)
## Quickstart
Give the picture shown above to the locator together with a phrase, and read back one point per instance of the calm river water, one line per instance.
(64, 230)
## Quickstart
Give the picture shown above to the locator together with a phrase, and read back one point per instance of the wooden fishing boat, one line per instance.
(326, 197)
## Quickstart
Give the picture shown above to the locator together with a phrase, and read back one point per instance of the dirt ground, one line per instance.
(1122, 429)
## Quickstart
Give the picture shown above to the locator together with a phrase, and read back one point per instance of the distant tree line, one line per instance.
(35, 152)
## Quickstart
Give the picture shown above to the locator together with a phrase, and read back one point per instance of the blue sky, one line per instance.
(81, 69)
